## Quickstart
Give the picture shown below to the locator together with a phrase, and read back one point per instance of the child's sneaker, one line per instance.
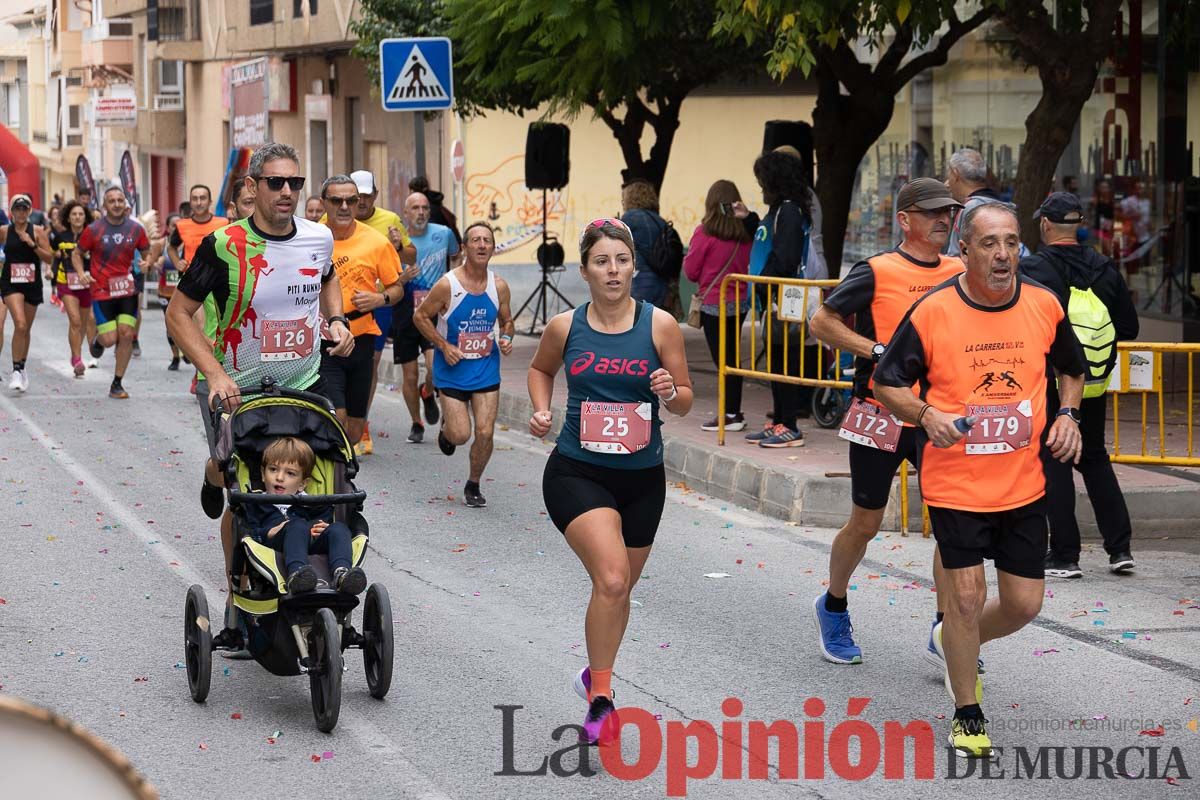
(302, 580)
(350, 580)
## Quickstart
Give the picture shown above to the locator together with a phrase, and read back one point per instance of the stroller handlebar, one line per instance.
(269, 388)
(260, 498)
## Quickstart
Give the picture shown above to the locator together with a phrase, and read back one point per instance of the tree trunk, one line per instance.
(628, 133)
(1067, 64)
(844, 128)
(1047, 134)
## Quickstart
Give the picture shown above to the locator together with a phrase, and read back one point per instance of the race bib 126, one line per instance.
(286, 339)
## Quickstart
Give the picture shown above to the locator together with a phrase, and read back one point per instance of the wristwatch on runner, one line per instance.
(342, 320)
(877, 351)
(1073, 413)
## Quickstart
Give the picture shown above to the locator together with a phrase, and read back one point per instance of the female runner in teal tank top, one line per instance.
(604, 484)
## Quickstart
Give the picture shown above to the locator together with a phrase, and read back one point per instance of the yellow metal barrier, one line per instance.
(1141, 371)
(784, 300)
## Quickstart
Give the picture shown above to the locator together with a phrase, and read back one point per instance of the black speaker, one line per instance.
(547, 161)
(778, 132)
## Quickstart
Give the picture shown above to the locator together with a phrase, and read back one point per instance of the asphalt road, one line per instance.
(105, 533)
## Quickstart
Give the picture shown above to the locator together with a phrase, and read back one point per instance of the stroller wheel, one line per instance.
(377, 644)
(325, 676)
(828, 406)
(197, 643)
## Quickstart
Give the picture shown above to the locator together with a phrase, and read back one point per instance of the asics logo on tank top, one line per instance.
(637, 367)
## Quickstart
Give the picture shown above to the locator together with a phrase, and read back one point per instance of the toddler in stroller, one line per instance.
(297, 531)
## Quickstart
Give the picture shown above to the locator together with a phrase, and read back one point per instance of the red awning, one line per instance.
(21, 166)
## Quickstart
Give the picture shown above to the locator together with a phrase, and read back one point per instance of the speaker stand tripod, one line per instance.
(548, 263)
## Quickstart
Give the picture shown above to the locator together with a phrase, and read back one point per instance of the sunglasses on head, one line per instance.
(600, 223)
(275, 182)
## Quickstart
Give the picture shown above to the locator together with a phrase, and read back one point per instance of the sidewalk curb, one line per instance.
(822, 501)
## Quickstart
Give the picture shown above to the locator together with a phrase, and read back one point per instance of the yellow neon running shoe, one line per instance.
(937, 644)
(969, 738)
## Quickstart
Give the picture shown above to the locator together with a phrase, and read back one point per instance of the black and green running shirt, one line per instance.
(266, 289)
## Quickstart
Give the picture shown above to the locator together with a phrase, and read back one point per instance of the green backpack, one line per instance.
(1094, 328)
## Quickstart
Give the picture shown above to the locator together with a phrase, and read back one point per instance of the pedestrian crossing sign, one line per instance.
(416, 74)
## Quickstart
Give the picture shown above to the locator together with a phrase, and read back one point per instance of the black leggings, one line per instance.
(711, 325)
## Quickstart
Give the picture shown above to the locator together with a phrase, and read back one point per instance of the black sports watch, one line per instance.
(1073, 413)
(342, 320)
(877, 352)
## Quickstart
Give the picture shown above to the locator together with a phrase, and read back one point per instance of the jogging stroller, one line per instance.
(302, 633)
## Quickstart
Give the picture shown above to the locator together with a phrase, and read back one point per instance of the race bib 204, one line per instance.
(476, 345)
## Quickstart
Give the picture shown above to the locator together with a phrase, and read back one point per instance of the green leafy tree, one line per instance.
(632, 62)
(856, 86)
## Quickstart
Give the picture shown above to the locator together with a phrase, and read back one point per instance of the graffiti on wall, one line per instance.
(499, 196)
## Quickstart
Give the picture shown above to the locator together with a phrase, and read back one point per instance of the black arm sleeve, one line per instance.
(856, 291)
(205, 273)
(176, 239)
(1065, 353)
(787, 243)
(903, 363)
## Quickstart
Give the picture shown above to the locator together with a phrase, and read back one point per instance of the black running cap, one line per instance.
(1062, 208)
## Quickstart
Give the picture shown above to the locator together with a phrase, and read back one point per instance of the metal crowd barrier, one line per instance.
(1154, 373)
(775, 302)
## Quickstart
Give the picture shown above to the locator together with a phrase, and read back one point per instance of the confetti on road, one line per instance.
(718, 574)
(1045, 652)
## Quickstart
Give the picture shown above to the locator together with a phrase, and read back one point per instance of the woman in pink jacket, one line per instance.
(721, 246)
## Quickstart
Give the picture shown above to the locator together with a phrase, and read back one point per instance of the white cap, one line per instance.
(364, 180)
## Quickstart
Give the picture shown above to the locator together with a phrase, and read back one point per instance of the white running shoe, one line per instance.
(17, 382)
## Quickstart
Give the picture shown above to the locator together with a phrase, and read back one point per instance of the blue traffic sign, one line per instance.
(416, 74)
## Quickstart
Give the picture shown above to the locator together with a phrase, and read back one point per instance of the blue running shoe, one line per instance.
(934, 658)
(783, 436)
(834, 629)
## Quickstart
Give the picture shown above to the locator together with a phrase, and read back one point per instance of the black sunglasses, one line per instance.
(341, 201)
(275, 182)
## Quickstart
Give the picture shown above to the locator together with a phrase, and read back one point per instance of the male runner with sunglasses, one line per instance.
(269, 274)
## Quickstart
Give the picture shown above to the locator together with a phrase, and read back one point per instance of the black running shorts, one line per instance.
(872, 469)
(571, 488)
(1015, 539)
(348, 378)
(408, 343)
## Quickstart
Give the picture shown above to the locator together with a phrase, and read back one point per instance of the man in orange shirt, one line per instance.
(877, 292)
(978, 345)
(189, 232)
(364, 260)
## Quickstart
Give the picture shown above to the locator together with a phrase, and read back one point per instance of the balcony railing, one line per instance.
(178, 20)
(168, 102)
